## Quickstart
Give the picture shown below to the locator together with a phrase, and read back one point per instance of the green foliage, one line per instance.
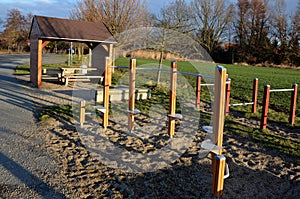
(61, 112)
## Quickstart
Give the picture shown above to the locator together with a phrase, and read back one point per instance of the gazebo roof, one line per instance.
(51, 28)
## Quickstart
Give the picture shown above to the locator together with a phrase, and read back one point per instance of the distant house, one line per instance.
(46, 29)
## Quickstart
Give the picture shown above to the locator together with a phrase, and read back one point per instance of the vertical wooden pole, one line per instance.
(218, 174)
(293, 104)
(227, 104)
(265, 108)
(82, 113)
(172, 102)
(254, 94)
(218, 126)
(107, 83)
(198, 91)
(39, 64)
(131, 94)
(219, 105)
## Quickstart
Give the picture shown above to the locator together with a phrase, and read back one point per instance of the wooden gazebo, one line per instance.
(46, 29)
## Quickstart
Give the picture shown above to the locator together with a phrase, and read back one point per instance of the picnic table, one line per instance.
(67, 75)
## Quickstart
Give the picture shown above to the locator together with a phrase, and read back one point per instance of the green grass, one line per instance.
(61, 112)
(268, 139)
(241, 89)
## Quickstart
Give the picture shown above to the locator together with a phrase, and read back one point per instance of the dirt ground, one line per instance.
(255, 172)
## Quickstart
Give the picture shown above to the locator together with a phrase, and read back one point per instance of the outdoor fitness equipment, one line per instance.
(266, 99)
(218, 160)
(254, 97)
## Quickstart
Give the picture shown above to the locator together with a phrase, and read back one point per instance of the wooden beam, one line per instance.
(265, 108)
(45, 43)
(218, 175)
(131, 103)
(172, 102)
(218, 166)
(293, 104)
(219, 106)
(107, 83)
(39, 64)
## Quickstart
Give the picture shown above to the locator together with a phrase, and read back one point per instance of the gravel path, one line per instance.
(24, 162)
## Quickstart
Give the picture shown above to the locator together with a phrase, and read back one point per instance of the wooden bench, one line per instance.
(67, 75)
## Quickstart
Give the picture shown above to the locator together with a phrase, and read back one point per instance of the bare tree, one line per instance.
(177, 16)
(117, 15)
(294, 43)
(16, 29)
(252, 28)
(211, 18)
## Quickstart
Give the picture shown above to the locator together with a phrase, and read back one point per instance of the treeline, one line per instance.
(251, 31)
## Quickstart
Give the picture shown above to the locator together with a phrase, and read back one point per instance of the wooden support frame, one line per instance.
(218, 174)
(265, 108)
(172, 100)
(131, 104)
(82, 113)
(198, 91)
(254, 94)
(218, 165)
(228, 88)
(293, 104)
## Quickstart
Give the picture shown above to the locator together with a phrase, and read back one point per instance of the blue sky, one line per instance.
(61, 8)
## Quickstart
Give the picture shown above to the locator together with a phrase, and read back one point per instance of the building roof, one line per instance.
(70, 30)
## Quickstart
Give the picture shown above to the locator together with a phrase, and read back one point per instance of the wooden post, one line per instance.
(218, 126)
(172, 102)
(131, 94)
(82, 113)
(198, 91)
(265, 108)
(39, 64)
(254, 94)
(228, 87)
(218, 175)
(107, 83)
(293, 104)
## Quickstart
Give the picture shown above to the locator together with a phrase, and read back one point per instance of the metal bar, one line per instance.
(282, 90)
(153, 69)
(126, 67)
(207, 84)
(242, 104)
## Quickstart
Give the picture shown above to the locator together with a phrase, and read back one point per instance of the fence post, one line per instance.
(228, 87)
(172, 102)
(265, 108)
(198, 91)
(254, 94)
(131, 94)
(82, 113)
(293, 104)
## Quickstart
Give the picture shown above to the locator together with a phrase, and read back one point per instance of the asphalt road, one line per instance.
(21, 159)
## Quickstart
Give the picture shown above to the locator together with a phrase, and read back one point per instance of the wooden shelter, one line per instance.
(46, 29)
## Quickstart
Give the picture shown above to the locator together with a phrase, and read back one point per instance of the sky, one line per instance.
(61, 8)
